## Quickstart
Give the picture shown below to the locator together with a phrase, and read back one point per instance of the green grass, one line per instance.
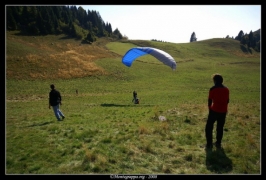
(104, 132)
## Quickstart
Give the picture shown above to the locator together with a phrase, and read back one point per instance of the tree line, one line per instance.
(81, 24)
(251, 40)
(70, 20)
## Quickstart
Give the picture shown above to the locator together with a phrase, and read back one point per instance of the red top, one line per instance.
(218, 98)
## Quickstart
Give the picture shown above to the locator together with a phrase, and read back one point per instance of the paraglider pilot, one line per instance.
(135, 98)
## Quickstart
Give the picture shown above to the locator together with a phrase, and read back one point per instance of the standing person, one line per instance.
(218, 100)
(54, 101)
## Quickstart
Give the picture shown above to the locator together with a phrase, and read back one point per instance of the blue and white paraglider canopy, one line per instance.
(136, 52)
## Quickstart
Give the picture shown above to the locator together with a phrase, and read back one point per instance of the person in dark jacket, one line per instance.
(218, 100)
(135, 98)
(55, 100)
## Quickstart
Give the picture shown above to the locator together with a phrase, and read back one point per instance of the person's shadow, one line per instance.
(217, 161)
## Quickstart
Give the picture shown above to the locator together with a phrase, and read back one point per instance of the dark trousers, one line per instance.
(212, 117)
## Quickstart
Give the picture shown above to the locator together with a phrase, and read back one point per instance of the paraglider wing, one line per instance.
(131, 55)
(164, 57)
(136, 52)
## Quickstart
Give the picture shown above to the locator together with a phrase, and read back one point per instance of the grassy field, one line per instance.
(104, 132)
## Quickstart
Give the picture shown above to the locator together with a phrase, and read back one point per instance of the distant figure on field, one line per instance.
(218, 100)
(54, 101)
(135, 98)
(77, 91)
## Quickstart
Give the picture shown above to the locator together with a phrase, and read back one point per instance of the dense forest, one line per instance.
(70, 20)
(81, 24)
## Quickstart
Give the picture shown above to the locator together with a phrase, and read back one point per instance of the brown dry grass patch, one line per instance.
(52, 57)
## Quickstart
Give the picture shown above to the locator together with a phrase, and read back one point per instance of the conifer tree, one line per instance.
(193, 37)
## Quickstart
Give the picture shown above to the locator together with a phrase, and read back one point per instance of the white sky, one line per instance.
(176, 23)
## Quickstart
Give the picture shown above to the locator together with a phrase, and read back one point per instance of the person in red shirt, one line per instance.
(218, 100)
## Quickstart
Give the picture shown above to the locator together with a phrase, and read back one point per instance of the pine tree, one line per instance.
(193, 37)
(239, 36)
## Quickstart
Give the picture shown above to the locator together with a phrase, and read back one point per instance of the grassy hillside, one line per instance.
(51, 57)
(56, 57)
(104, 132)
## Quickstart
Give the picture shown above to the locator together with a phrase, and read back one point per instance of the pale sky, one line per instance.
(176, 23)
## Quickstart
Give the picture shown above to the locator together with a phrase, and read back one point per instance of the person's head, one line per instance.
(52, 86)
(217, 78)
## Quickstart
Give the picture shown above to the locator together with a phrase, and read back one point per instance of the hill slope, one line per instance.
(56, 57)
(51, 57)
